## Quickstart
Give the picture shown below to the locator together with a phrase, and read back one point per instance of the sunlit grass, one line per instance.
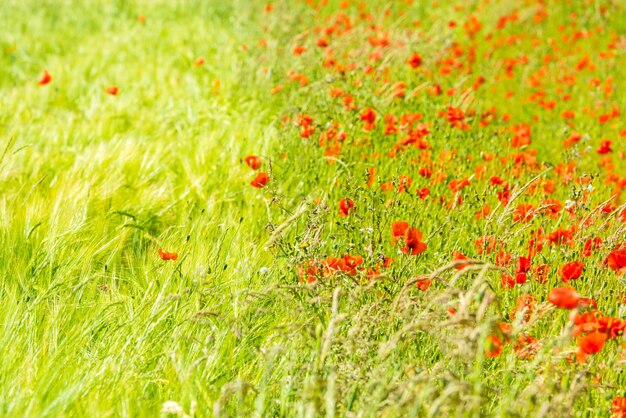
(95, 323)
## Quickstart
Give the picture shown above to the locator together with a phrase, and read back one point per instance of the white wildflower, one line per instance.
(172, 407)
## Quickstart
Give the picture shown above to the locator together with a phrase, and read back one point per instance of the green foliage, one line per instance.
(94, 323)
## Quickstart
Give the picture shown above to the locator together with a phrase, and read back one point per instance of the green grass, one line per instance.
(92, 185)
(94, 323)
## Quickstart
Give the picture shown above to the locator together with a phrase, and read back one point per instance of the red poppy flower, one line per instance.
(332, 265)
(526, 346)
(506, 330)
(423, 192)
(460, 257)
(457, 185)
(486, 244)
(371, 176)
(503, 258)
(425, 172)
(45, 78)
(369, 117)
(260, 180)
(306, 126)
(524, 303)
(435, 90)
(494, 346)
(561, 237)
(398, 229)
(508, 282)
(616, 260)
(322, 43)
(591, 343)
(541, 273)
(309, 272)
(523, 265)
(571, 271)
(586, 322)
(112, 90)
(345, 205)
(498, 181)
(521, 137)
(604, 148)
(590, 245)
(412, 242)
(573, 139)
(350, 263)
(552, 208)
(415, 60)
(483, 212)
(253, 161)
(404, 183)
(564, 297)
(424, 284)
(618, 407)
(167, 256)
(523, 213)
(199, 62)
(504, 196)
(387, 186)
(298, 50)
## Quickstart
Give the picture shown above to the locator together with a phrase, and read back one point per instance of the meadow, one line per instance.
(304, 208)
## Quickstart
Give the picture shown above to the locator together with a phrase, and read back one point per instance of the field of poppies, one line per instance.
(313, 208)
